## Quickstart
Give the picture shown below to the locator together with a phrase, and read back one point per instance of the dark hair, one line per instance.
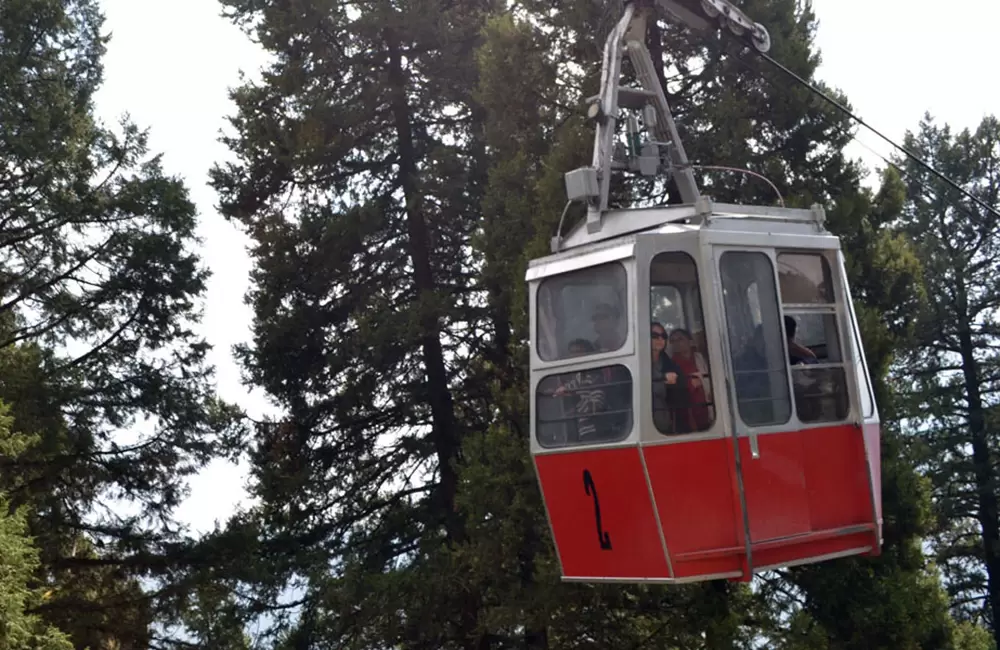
(657, 323)
(605, 309)
(790, 326)
(581, 343)
(684, 332)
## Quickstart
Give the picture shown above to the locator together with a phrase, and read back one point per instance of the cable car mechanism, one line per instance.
(701, 408)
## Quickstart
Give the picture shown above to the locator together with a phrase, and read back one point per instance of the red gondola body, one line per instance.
(701, 407)
(674, 512)
(733, 499)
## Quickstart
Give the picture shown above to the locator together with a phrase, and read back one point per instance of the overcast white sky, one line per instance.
(170, 63)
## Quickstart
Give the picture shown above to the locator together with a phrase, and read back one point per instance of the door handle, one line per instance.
(754, 449)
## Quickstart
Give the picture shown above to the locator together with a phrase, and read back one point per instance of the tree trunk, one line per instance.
(719, 634)
(443, 422)
(983, 470)
(536, 634)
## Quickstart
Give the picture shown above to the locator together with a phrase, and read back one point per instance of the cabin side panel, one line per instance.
(809, 549)
(601, 514)
(694, 485)
(775, 486)
(874, 451)
(837, 477)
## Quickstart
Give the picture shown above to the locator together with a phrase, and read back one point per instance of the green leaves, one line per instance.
(950, 375)
(396, 168)
(99, 293)
(20, 629)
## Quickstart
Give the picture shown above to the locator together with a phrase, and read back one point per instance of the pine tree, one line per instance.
(398, 496)
(951, 374)
(19, 593)
(356, 183)
(98, 291)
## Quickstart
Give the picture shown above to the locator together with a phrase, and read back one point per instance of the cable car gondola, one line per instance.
(700, 404)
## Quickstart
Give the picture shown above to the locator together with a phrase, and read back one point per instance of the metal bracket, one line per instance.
(606, 117)
(819, 215)
(704, 208)
(628, 37)
(592, 184)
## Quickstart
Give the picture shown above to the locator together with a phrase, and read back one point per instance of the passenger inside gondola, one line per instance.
(572, 381)
(675, 307)
(671, 412)
(797, 353)
(698, 382)
(605, 319)
(581, 395)
(582, 402)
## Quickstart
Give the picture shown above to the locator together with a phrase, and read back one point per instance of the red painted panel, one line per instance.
(810, 548)
(775, 487)
(837, 477)
(694, 485)
(627, 543)
(873, 442)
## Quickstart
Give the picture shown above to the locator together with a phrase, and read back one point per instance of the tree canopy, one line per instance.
(396, 166)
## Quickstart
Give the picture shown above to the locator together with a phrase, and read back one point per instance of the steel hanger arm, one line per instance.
(662, 152)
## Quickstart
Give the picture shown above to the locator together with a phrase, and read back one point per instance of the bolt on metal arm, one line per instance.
(592, 184)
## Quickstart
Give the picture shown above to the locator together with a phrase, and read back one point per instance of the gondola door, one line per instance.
(684, 438)
(768, 448)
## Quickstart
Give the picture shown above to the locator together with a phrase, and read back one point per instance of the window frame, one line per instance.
(841, 317)
(866, 407)
(536, 398)
(733, 394)
(626, 266)
(714, 370)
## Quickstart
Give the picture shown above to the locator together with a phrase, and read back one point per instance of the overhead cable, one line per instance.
(925, 186)
(860, 121)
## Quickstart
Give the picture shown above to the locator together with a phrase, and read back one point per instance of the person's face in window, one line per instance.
(604, 325)
(659, 337)
(577, 350)
(680, 344)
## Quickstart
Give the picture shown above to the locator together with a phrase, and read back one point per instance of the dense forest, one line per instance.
(395, 167)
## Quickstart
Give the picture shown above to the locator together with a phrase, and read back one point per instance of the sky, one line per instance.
(171, 63)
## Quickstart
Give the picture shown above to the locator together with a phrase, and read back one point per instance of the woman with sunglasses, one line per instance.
(670, 396)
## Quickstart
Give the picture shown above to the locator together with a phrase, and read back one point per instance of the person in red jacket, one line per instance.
(695, 370)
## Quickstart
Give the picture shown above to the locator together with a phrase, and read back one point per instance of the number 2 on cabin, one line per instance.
(590, 488)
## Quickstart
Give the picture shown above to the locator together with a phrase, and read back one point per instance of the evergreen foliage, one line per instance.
(950, 375)
(394, 205)
(98, 356)
(396, 167)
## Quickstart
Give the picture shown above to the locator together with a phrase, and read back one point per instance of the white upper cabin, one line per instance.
(724, 287)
